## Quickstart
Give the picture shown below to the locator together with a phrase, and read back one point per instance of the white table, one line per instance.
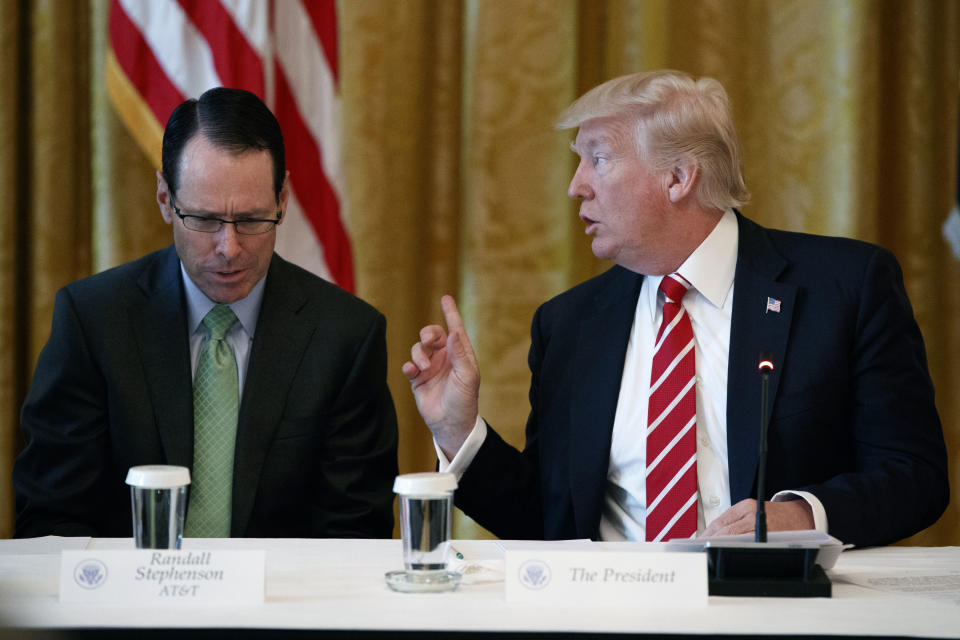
(338, 584)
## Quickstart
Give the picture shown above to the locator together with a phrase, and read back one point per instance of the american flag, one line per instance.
(773, 305)
(165, 51)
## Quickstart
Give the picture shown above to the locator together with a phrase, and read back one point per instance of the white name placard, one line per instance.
(145, 576)
(609, 577)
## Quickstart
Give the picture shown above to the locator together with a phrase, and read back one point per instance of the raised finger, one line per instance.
(450, 313)
(460, 348)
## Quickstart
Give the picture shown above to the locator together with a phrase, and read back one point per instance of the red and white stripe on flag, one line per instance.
(165, 51)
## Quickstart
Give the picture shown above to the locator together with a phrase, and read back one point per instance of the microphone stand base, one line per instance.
(766, 571)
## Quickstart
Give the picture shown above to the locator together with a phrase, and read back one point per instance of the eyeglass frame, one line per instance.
(224, 221)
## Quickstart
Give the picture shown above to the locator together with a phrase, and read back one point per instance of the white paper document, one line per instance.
(829, 547)
(936, 585)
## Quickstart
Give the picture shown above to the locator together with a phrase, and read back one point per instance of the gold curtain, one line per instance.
(45, 188)
(456, 179)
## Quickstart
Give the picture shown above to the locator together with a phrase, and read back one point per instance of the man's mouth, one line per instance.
(228, 274)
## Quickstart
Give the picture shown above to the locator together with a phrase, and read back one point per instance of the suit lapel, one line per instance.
(755, 330)
(281, 337)
(160, 327)
(597, 363)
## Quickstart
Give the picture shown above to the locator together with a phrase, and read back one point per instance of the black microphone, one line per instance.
(765, 367)
(760, 568)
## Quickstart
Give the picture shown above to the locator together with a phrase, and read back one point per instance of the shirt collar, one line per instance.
(198, 305)
(711, 266)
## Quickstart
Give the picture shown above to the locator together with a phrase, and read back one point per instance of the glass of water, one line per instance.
(158, 500)
(426, 505)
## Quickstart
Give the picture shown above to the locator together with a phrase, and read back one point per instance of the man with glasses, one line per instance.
(214, 354)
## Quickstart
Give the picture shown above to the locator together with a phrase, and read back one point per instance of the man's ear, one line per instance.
(164, 199)
(683, 178)
(284, 196)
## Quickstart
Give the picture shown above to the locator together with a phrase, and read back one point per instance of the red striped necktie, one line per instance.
(672, 423)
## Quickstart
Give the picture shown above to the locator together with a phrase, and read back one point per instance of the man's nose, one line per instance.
(228, 241)
(579, 189)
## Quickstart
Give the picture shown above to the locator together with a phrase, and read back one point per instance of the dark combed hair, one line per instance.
(231, 119)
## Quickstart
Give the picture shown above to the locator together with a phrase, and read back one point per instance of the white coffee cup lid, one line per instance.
(425, 484)
(158, 476)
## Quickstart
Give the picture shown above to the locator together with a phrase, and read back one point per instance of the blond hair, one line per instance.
(676, 119)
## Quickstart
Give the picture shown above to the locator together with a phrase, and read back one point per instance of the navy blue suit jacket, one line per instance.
(852, 413)
(316, 450)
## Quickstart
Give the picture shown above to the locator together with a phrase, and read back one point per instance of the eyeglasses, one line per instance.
(213, 224)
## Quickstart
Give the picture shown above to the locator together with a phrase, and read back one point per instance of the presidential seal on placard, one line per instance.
(534, 574)
(90, 573)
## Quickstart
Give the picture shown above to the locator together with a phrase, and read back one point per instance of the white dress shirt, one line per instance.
(240, 335)
(709, 304)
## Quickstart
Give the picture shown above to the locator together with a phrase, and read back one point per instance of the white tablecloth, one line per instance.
(339, 584)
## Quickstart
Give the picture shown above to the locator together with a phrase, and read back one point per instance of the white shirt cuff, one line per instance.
(819, 513)
(468, 450)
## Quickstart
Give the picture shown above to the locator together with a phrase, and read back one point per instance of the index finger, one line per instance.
(450, 313)
(731, 515)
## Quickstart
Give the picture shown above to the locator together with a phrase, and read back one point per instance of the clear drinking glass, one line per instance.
(158, 500)
(426, 505)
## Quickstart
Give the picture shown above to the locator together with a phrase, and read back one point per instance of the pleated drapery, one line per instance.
(456, 178)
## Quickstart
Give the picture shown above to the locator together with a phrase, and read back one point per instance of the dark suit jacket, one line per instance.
(852, 413)
(316, 450)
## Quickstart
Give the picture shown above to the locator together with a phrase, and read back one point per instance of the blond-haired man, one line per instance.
(855, 443)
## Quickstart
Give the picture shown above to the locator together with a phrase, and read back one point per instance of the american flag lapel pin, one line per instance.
(773, 305)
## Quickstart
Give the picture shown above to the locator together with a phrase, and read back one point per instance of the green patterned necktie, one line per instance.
(216, 401)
